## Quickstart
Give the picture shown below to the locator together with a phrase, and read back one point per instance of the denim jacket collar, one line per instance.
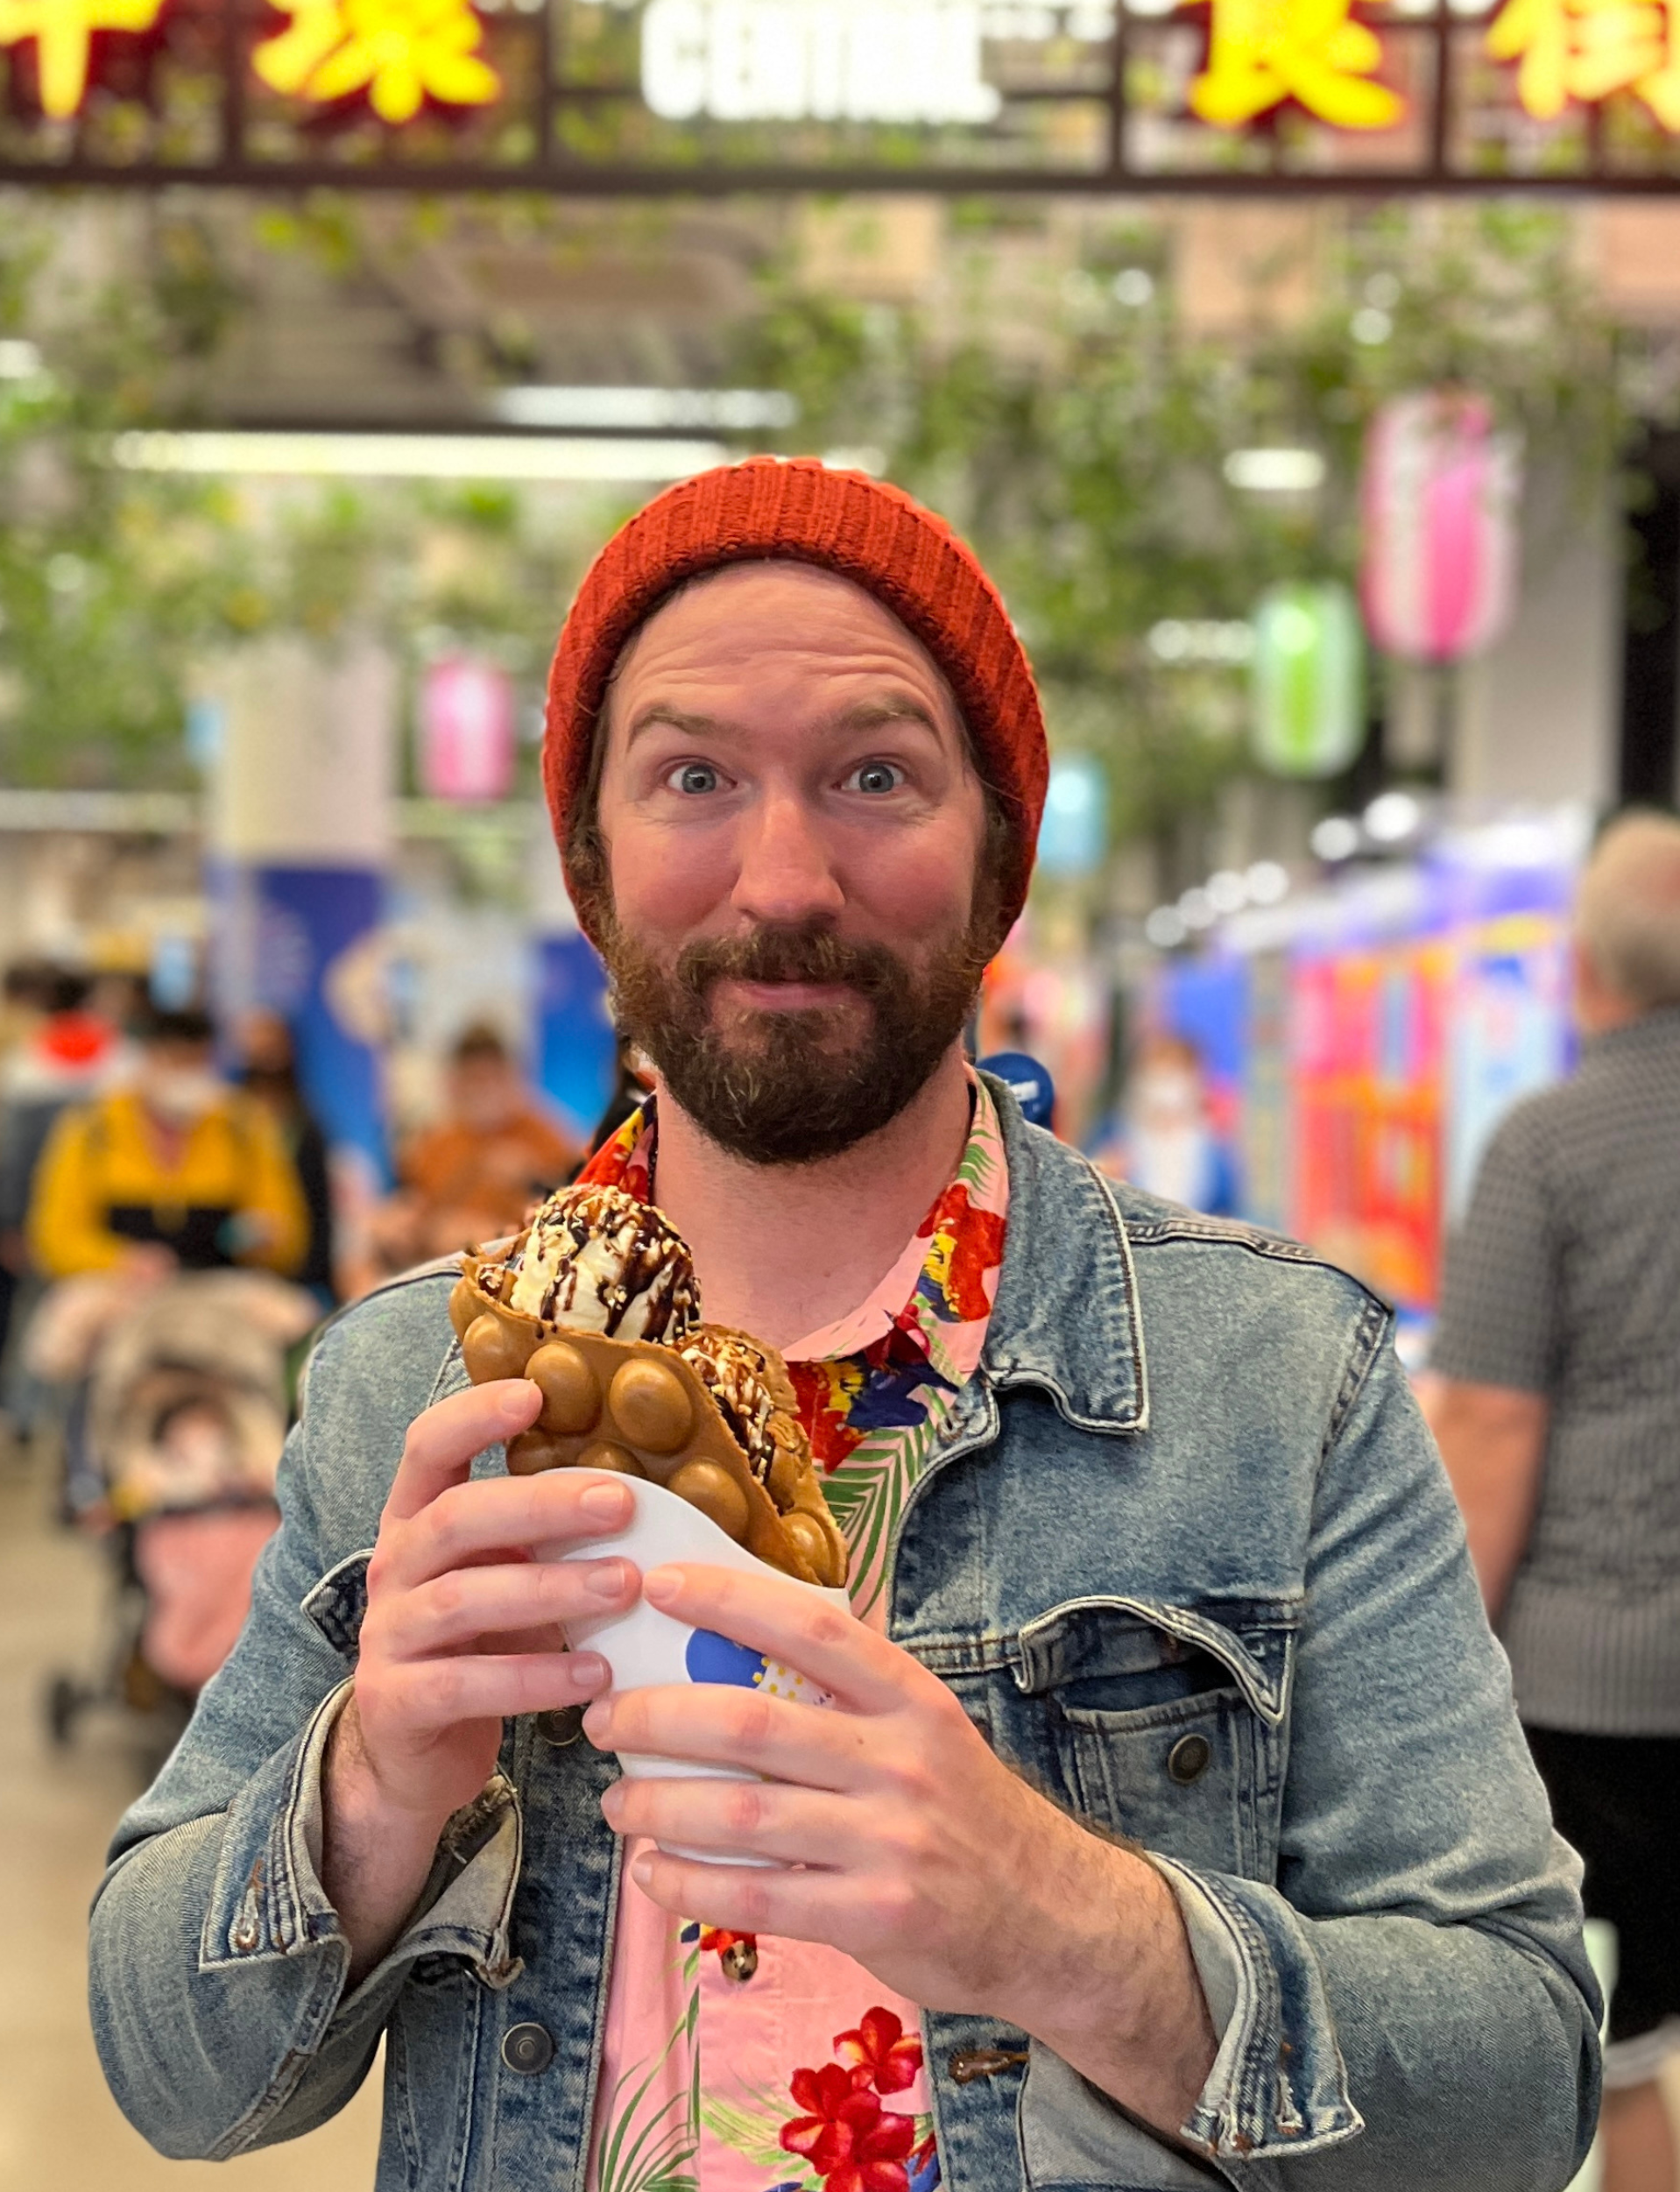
(1066, 1317)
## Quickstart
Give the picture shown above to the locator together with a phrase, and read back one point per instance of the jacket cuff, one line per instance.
(1278, 2085)
(268, 1901)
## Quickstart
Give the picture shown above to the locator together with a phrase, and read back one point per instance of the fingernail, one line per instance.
(662, 1584)
(596, 1722)
(590, 1670)
(611, 1502)
(609, 1580)
(514, 1400)
(641, 1871)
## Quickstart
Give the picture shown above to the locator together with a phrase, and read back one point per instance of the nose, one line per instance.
(786, 874)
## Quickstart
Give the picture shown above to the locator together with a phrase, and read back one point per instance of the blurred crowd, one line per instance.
(168, 1250)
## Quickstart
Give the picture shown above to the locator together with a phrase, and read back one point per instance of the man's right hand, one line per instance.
(463, 1628)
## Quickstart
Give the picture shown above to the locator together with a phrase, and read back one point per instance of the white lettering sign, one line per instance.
(824, 60)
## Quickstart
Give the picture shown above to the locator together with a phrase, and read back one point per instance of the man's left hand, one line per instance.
(918, 1852)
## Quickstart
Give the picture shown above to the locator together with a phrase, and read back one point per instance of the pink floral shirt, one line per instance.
(740, 2063)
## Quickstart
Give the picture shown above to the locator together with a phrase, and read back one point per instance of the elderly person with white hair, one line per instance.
(1559, 1420)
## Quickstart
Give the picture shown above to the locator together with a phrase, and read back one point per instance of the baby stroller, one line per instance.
(180, 1396)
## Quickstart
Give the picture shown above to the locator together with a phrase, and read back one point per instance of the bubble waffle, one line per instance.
(644, 1411)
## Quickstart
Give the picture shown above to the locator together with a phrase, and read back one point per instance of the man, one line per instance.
(474, 1175)
(1559, 1421)
(1171, 1824)
(176, 1172)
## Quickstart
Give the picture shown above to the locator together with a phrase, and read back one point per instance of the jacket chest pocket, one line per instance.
(1166, 1723)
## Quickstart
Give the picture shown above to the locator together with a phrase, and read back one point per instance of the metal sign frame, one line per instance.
(1271, 163)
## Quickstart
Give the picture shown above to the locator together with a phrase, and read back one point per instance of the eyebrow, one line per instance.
(867, 714)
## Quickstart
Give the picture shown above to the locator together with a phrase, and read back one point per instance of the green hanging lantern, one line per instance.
(1307, 682)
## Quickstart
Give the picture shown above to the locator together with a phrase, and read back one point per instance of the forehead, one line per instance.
(777, 627)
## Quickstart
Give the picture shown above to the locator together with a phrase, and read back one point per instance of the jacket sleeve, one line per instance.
(67, 1230)
(1413, 2002)
(217, 1967)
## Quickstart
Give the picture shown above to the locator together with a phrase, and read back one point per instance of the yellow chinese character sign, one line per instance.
(63, 31)
(1262, 52)
(398, 52)
(1588, 49)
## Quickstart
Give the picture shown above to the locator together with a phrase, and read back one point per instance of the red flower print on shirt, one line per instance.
(849, 2139)
(971, 1244)
(881, 2047)
(825, 1392)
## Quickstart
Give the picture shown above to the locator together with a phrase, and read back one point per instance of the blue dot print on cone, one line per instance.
(714, 1658)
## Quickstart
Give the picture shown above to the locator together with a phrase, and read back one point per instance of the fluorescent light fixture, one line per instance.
(1268, 882)
(1275, 471)
(1392, 818)
(1165, 928)
(646, 410)
(1195, 639)
(1197, 909)
(416, 456)
(1337, 838)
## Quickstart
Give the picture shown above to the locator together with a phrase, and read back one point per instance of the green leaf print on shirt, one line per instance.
(657, 2155)
(753, 2131)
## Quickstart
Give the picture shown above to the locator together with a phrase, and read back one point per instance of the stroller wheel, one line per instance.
(63, 1703)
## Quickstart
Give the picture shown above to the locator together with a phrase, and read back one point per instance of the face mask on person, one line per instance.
(1167, 1093)
(181, 1094)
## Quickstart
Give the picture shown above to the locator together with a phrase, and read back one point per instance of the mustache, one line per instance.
(801, 951)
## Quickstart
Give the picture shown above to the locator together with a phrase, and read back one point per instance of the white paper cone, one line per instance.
(645, 1647)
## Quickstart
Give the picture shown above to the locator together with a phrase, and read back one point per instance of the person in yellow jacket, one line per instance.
(176, 1170)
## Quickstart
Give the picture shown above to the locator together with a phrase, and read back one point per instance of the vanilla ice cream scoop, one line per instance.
(599, 1260)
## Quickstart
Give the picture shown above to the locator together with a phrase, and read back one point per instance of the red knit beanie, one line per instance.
(800, 511)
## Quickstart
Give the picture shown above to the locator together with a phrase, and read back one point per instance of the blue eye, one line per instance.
(875, 777)
(694, 778)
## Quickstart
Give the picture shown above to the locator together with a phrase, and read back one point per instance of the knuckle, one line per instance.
(827, 1628)
(744, 1808)
(755, 1719)
(754, 1908)
(449, 1595)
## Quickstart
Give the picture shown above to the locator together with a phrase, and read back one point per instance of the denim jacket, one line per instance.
(1188, 1557)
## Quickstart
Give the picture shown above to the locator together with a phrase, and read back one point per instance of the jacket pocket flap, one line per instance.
(1092, 1637)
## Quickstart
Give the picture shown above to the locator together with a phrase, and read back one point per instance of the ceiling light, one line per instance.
(645, 410)
(1275, 471)
(1337, 838)
(415, 457)
(1227, 892)
(1268, 882)
(1227, 640)
(1197, 909)
(1392, 817)
(1165, 928)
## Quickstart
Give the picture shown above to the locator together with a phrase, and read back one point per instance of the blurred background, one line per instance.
(1316, 406)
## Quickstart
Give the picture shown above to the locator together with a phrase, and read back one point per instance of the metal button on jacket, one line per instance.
(528, 2048)
(1188, 1759)
(561, 1727)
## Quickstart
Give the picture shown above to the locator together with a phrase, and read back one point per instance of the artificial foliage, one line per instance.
(1088, 464)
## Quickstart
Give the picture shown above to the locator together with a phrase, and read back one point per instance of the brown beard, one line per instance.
(793, 1087)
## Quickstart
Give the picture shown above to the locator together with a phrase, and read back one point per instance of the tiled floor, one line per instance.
(60, 2131)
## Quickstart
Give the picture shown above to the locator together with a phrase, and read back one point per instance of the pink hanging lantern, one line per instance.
(466, 724)
(1441, 494)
